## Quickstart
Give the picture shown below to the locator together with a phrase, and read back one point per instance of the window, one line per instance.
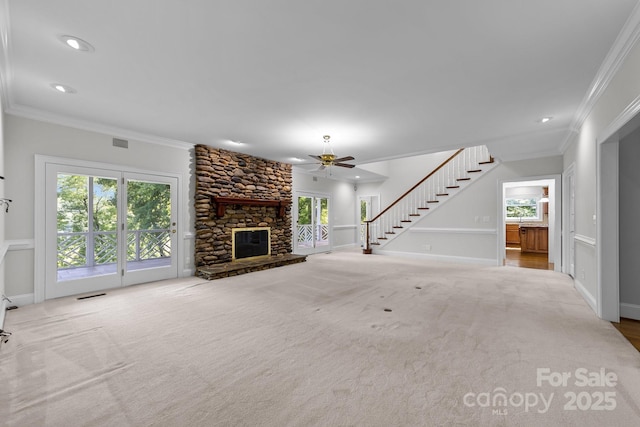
(523, 208)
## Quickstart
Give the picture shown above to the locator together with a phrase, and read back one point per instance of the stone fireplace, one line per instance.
(236, 191)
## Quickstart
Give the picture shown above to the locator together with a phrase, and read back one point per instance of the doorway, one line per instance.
(106, 228)
(368, 208)
(312, 231)
(529, 226)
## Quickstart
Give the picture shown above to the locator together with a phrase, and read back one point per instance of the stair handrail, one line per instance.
(367, 248)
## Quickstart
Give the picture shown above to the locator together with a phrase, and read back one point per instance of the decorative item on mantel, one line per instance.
(222, 202)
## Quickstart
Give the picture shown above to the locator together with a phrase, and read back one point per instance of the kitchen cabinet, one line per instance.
(534, 239)
(512, 235)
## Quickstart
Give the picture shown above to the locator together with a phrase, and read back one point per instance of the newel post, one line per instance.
(367, 249)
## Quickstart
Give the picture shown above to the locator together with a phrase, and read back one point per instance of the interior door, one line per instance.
(106, 229)
(312, 230)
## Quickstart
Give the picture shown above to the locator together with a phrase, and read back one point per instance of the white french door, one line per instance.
(312, 231)
(106, 229)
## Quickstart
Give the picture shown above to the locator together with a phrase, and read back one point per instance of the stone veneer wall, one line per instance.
(227, 174)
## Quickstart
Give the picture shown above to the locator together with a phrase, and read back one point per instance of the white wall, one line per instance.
(403, 174)
(3, 194)
(24, 138)
(344, 221)
(621, 92)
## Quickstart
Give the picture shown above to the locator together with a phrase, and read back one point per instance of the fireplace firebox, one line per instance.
(253, 242)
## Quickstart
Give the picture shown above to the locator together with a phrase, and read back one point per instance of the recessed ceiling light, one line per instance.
(63, 88)
(77, 44)
(545, 119)
(357, 176)
(232, 142)
(296, 159)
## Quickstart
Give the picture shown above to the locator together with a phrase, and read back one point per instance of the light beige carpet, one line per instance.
(312, 345)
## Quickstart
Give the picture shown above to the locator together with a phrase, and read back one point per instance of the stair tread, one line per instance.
(415, 214)
(424, 209)
(463, 179)
(442, 194)
(453, 186)
(433, 201)
(406, 220)
(474, 170)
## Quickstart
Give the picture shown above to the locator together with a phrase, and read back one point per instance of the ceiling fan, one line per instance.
(327, 158)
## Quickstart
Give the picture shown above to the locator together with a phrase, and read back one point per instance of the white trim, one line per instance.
(58, 119)
(588, 241)
(443, 258)
(621, 120)
(444, 230)
(15, 245)
(630, 311)
(3, 309)
(6, 71)
(568, 191)
(22, 300)
(607, 231)
(345, 227)
(348, 245)
(590, 299)
(625, 42)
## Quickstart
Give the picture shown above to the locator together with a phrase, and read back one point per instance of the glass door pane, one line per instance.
(148, 225)
(87, 219)
(150, 228)
(305, 222)
(321, 222)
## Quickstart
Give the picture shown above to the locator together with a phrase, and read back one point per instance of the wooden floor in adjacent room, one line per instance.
(516, 258)
(630, 329)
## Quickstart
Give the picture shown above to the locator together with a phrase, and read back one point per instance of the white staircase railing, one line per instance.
(442, 182)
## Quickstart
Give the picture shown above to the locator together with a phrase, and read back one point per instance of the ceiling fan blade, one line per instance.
(344, 165)
(315, 157)
(344, 159)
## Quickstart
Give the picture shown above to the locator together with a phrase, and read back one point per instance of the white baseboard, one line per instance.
(630, 311)
(590, 299)
(348, 245)
(443, 258)
(20, 300)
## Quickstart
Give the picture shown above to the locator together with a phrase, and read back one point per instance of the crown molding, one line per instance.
(58, 119)
(632, 110)
(624, 43)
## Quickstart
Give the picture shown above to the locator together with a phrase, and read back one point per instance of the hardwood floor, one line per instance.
(516, 258)
(630, 329)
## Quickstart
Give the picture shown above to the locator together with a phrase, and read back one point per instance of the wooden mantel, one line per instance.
(222, 202)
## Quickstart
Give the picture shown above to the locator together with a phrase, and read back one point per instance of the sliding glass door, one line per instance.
(106, 229)
(312, 230)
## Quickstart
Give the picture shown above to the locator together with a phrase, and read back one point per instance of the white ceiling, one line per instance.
(385, 79)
